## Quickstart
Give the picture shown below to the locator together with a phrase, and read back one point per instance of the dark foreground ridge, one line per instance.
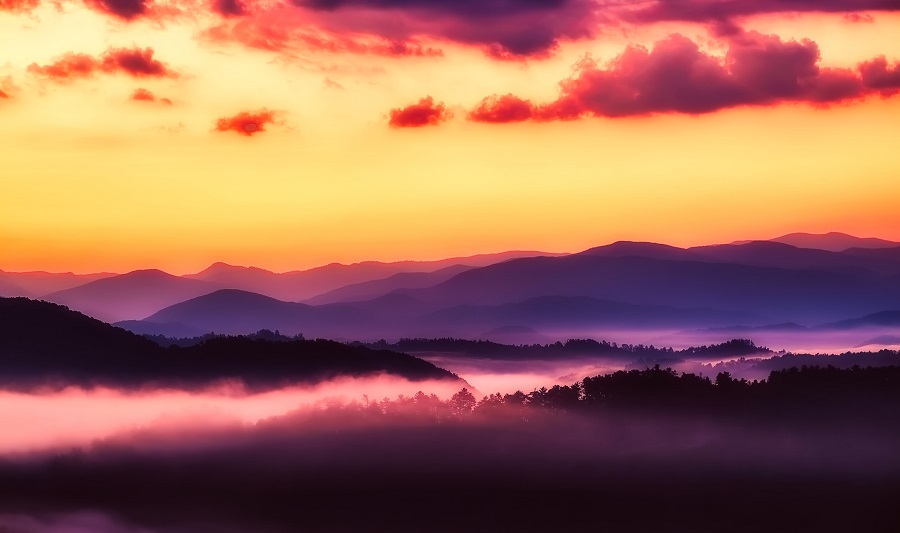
(47, 344)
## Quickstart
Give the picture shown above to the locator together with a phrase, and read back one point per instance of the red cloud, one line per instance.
(136, 62)
(68, 66)
(506, 108)
(132, 61)
(423, 113)
(247, 122)
(144, 95)
(6, 86)
(675, 76)
(18, 5)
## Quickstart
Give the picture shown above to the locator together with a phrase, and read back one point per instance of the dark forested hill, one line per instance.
(43, 343)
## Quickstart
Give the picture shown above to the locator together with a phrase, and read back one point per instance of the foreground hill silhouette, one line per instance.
(46, 344)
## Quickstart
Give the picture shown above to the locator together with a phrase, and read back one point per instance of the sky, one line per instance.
(175, 133)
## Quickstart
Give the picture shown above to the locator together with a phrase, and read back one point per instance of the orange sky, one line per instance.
(91, 180)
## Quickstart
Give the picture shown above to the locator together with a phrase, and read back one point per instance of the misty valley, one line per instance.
(747, 387)
(109, 431)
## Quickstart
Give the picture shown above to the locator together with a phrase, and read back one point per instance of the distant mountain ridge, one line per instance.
(832, 241)
(631, 285)
(134, 295)
(43, 283)
(299, 285)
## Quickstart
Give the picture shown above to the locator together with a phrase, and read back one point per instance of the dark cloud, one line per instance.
(229, 8)
(467, 8)
(878, 75)
(123, 9)
(713, 10)
(143, 95)
(135, 62)
(424, 113)
(522, 29)
(506, 108)
(504, 29)
(247, 123)
(676, 76)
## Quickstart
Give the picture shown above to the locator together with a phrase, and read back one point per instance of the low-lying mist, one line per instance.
(422, 464)
(76, 416)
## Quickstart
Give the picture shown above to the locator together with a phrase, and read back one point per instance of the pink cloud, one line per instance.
(143, 95)
(424, 113)
(676, 76)
(877, 75)
(287, 30)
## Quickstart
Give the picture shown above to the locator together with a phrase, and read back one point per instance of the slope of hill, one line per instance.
(134, 295)
(779, 255)
(231, 311)
(368, 290)
(882, 319)
(10, 288)
(833, 241)
(780, 294)
(43, 283)
(46, 344)
(577, 313)
(650, 250)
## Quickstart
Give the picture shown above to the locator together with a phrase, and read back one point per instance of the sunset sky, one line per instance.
(171, 134)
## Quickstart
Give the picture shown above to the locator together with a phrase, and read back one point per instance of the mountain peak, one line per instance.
(833, 241)
(641, 249)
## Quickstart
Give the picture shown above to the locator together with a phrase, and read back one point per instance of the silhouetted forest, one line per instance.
(571, 347)
(47, 344)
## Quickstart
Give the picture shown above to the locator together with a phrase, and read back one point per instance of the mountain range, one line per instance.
(620, 286)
